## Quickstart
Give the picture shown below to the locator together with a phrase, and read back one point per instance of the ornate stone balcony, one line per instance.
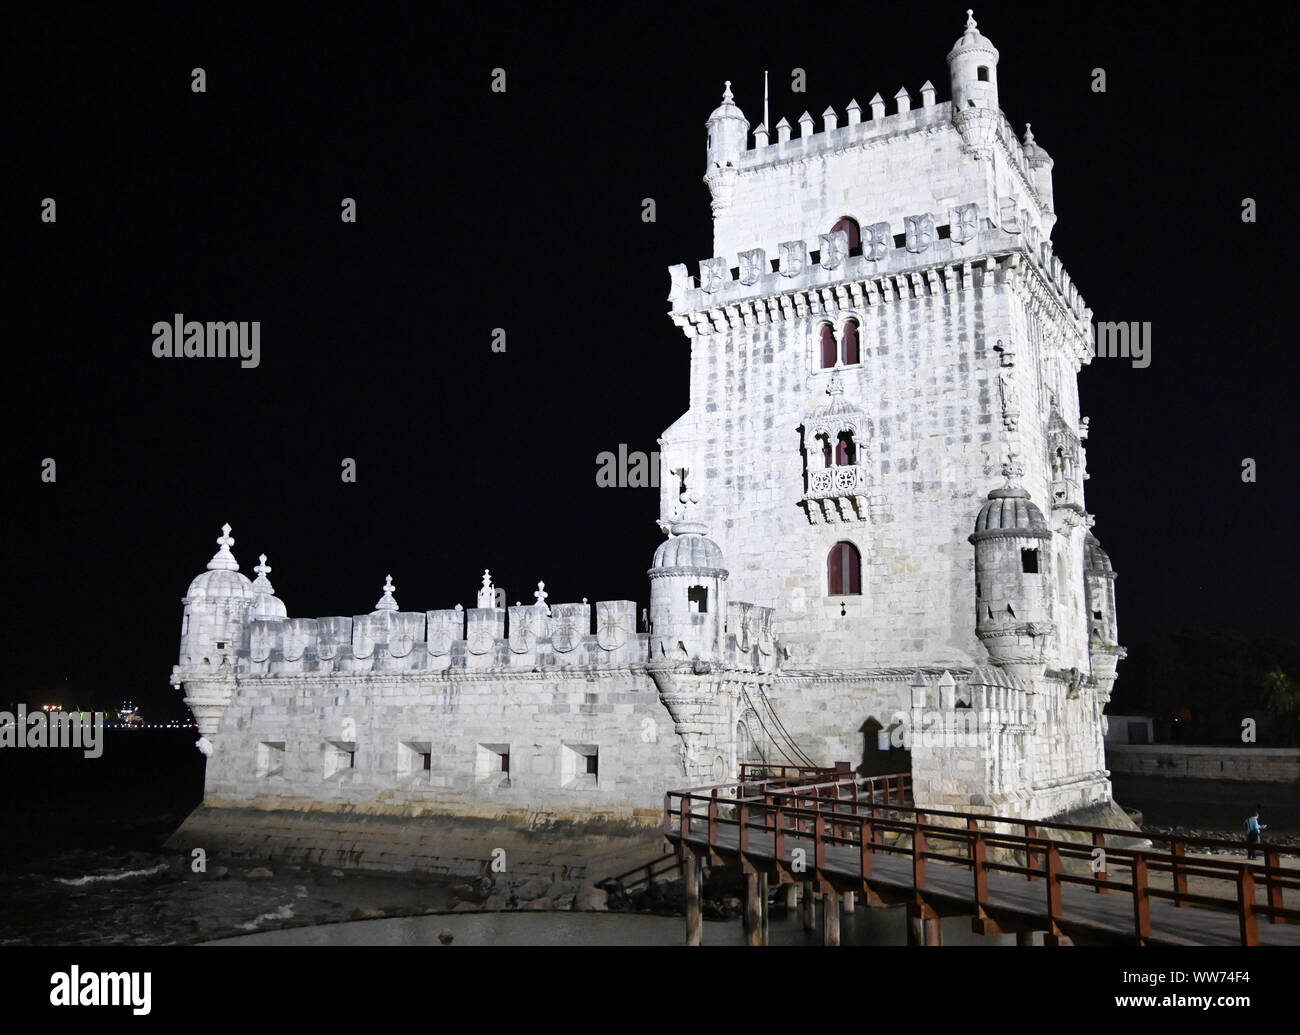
(837, 494)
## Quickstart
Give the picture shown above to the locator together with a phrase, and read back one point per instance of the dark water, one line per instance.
(82, 863)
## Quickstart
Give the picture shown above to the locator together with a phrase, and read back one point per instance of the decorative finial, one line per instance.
(1013, 470)
(223, 559)
(835, 386)
(487, 595)
(387, 602)
(541, 594)
(970, 20)
(262, 584)
(726, 94)
(1029, 134)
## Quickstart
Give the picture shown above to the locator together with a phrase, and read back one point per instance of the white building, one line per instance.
(875, 519)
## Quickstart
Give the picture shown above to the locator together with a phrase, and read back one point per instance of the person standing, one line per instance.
(1254, 829)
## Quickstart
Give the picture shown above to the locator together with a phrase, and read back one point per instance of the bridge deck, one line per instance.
(1086, 916)
(1093, 885)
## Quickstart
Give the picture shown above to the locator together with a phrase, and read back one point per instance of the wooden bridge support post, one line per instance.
(933, 931)
(923, 926)
(850, 902)
(791, 896)
(693, 877)
(809, 903)
(753, 911)
(831, 918)
(765, 902)
(915, 926)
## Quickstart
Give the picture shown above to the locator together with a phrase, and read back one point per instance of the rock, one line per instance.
(445, 936)
(465, 907)
(531, 889)
(366, 914)
(590, 900)
(258, 873)
(218, 872)
(541, 904)
(498, 900)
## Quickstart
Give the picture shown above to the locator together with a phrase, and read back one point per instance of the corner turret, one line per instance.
(728, 132)
(1013, 581)
(688, 604)
(973, 75)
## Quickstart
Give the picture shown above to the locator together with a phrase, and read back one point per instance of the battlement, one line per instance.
(935, 253)
(873, 131)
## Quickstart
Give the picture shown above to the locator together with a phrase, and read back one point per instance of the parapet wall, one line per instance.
(930, 253)
(1262, 764)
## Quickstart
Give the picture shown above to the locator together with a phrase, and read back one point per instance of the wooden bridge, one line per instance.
(839, 836)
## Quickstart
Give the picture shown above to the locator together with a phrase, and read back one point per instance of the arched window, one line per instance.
(846, 453)
(844, 571)
(828, 346)
(850, 226)
(849, 342)
(828, 454)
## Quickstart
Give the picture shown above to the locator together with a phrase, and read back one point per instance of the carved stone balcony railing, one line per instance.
(837, 494)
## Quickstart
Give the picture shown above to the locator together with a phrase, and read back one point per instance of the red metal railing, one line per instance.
(862, 813)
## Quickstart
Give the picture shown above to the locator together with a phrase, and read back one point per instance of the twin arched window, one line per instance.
(844, 571)
(844, 454)
(845, 349)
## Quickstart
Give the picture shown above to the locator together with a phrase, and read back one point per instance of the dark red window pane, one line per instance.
(844, 570)
(850, 227)
(828, 346)
(845, 453)
(850, 342)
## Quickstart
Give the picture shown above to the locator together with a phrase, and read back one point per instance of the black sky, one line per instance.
(522, 211)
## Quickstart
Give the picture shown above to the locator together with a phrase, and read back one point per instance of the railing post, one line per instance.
(1177, 852)
(1248, 922)
(742, 814)
(685, 815)
(1031, 857)
(713, 818)
(865, 828)
(1272, 863)
(1099, 841)
(1141, 903)
(918, 855)
(979, 857)
(819, 843)
(778, 834)
(1053, 886)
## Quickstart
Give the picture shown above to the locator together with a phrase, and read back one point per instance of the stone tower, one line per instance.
(882, 332)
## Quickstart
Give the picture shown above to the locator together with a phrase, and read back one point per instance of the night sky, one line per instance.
(523, 211)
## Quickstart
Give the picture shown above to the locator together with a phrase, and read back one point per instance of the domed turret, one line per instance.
(1013, 581)
(973, 75)
(1104, 650)
(1040, 168)
(687, 596)
(266, 605)
(728, 132)
(215, 620)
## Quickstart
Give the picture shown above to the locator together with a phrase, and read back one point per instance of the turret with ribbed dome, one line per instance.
(728, 132)
(688, 603)
(1013, 579)
(266, 605)
(214, 633)
(973, 75)
(1104, 650)
(215, 620)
